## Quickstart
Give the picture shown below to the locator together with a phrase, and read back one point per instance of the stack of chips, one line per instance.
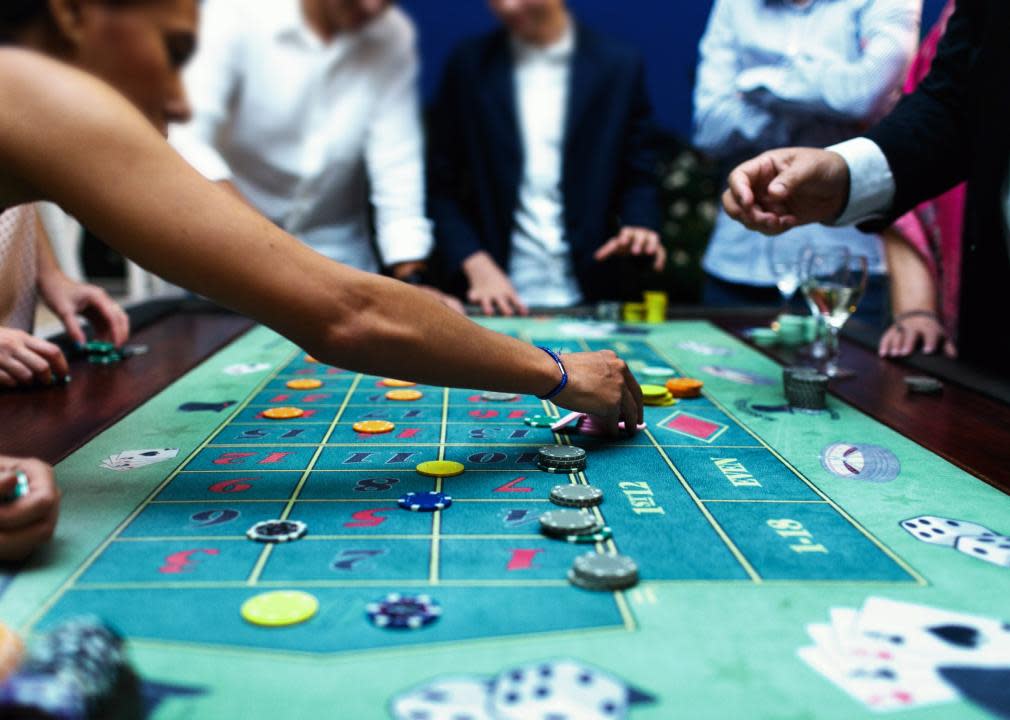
(603, 572)
(657, 396)
(806, 389)
(574, 526)
(78, 670)
(561, 459)
(655, 306)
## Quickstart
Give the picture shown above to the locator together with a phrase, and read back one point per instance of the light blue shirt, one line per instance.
(778, 73)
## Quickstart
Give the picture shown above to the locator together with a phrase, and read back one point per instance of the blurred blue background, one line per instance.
(665, 31)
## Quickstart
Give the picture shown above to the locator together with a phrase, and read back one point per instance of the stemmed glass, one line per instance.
(834, 282)
(785, 262)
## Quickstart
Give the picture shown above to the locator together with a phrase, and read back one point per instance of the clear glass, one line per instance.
(834, 282)
(784, 261)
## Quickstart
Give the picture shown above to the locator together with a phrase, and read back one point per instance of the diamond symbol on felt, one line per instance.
(693, 426)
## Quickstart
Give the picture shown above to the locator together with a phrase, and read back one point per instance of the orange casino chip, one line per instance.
(390, 382)
(310, 359)
(684, 387)
(283, 413)
(304, 384)
(374, 427)
(404, 395)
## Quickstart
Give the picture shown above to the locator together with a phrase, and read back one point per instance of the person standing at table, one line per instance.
(541, 167)
(952, 129)
(796, 72)
(308, 110)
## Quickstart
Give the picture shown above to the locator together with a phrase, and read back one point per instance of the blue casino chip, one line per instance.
(425, 501)
(404, 612)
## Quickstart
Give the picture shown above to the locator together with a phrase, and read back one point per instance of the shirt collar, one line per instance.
(559, 51)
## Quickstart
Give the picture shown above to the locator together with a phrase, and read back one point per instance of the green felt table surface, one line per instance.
(742, 533)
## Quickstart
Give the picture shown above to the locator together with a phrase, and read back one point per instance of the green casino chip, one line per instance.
(540, 421)
(601, 535)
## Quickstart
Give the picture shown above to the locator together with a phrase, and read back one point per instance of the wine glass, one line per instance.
(785, 262)
(834, 282)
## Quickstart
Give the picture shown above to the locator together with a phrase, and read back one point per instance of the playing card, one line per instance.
(881, 687)
(445, 698)
(928, 636)
(131, 459)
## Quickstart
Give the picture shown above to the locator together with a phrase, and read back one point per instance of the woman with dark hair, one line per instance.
(68, 137)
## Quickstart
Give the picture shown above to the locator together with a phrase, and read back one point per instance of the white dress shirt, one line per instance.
(540, 264)
(775, 74)
(312, 133)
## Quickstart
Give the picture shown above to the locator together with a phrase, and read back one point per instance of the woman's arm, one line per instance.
(75, 141)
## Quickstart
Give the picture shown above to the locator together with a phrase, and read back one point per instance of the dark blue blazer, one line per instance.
(476, 154)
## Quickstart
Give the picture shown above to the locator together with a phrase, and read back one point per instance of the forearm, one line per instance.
(155, 209)
(912, 285)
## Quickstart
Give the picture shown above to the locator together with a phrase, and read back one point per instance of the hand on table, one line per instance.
(637, 241)
(904, 336)
(448, 300)
(600, 383)
(68, 299)
(490, 287)
(28, 360)
(29, 521)
(781, 189)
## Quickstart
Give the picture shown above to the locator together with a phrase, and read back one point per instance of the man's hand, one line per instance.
(27, 360)
(781, 189)
(600, 383)
(68, 299)
(634, 241)
(490, 287)
(30, 520)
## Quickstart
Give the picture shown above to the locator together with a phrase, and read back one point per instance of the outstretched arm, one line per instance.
(83, 146)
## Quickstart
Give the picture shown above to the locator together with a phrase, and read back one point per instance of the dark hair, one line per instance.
(16, 14)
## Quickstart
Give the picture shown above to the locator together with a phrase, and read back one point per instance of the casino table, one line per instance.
(748, 520)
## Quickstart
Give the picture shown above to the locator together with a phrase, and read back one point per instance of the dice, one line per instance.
(993, 549)
(937, 530)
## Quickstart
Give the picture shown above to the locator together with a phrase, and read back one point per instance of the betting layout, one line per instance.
(326, 512)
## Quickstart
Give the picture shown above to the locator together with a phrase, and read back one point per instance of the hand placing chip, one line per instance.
(600, 383)
(28, 520)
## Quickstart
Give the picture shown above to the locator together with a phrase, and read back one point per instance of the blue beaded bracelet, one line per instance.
(564, 375)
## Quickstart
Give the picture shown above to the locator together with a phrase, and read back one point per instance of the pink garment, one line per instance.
(934, 228)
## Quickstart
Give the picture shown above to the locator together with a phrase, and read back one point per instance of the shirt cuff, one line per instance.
(405, 241)
(871, 184)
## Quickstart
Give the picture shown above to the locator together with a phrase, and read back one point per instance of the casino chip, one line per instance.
(373, 427)
(580, 496)
(684, 387)
(601, 535)
(593, 571)
(425, 501)
(404, 395)
(283, 413)
(540, 421)
(561, 523)
(277, 531)
(279, 608)
(561, 459)
(304, 384)
(440, 468)
(923, 384)
(390, 382)
(20, 487)
(403, 612)
(498, 396)
(654, 392)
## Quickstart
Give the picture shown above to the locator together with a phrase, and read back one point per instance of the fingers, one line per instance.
(931, 340)
(18, 370)
(504, 305)
(6, 380)
(608, 248)
(888, 341)
(950, 349)
(72, 326)
(909, 339)
(17, 545)
(637, 407)
(110, 321)
(38, 505)
(54, 357)
(660, 257)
